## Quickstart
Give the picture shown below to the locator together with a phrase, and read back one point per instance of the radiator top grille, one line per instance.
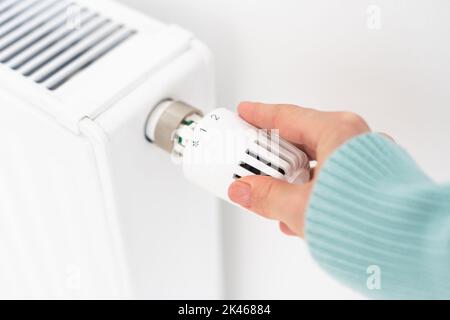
(51, 41)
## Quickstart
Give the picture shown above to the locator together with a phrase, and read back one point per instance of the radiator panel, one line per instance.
(54, 239)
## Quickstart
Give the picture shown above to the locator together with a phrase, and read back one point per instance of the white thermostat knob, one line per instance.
(220, 147)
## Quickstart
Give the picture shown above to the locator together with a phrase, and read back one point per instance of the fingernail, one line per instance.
(240, 193)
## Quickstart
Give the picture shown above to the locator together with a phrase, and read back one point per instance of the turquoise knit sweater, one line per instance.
(378, 224)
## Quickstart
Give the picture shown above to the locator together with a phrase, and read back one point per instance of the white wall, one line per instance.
(326, 54)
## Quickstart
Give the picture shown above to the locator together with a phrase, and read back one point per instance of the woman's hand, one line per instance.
(318, 133)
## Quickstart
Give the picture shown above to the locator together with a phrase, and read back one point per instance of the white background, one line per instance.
(324, 54)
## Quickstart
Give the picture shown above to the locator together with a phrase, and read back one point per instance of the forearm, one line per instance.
(372, 210)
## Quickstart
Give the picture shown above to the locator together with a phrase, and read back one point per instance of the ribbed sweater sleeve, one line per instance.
(378, 224)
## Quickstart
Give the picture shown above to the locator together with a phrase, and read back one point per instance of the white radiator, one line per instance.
(88, 207)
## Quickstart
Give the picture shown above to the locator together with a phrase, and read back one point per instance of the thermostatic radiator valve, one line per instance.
(219, 147)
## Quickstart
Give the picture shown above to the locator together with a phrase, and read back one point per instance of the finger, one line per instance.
(296, 124)
(286, 230)
(311, 153)
(312, 173)
(272, 199)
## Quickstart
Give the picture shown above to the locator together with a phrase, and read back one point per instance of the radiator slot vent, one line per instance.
(266, 162)
(51, 41)
(252, 169)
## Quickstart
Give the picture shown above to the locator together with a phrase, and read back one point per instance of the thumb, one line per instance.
(273, 199)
